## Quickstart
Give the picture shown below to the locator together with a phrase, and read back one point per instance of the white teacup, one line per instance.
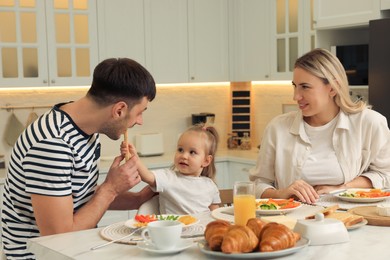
(163, 234)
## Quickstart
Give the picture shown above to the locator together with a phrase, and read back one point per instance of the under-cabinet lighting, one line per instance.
(272, 82)
(221, 84)
(51, 88)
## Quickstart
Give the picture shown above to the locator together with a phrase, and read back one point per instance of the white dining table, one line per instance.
(366, 243)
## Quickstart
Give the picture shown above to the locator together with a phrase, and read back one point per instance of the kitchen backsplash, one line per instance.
(170, 112)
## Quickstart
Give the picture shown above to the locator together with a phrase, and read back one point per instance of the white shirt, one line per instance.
(361, 142)
(181, 194)
(322, 165)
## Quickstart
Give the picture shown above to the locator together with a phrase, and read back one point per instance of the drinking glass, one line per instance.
(244, 202)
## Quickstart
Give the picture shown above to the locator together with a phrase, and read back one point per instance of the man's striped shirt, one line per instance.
(52, 157)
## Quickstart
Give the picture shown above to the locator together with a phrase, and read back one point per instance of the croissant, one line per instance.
(239, 239)
(214, 233)
(275, 236)
(256, 225)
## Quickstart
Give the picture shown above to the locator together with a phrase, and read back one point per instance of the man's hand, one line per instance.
(121, 178)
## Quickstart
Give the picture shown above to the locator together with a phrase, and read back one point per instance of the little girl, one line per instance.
(188, 187)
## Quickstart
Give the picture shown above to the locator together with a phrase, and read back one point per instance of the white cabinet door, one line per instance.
(238, 172)
(47, 42)
(222, 175)
(385, 4)
(291, 35)
(249, 37)
(347, 13)
(71, 41)
(121, 29)
(166, 40)
(208, 36)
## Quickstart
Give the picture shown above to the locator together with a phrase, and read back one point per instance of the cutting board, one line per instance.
(369, 213)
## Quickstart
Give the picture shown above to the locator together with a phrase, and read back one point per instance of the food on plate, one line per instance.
(275, 204)
(326, 211)
(214, 233)
(256, 225)
(372, 193)
(255, 236)
(347, 218)
(187, 219)
(239, 239)
(143, 220)
(275, 236)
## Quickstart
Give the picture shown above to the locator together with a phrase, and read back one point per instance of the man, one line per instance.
(51, 185)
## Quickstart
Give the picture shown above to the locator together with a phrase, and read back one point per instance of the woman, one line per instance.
(331, 143)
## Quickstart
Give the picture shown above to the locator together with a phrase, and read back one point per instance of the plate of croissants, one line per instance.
(257, 239)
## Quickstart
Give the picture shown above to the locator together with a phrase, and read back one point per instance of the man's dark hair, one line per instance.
(121, 79)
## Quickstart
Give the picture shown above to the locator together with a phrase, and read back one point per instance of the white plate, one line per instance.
(131, 223)
(183, 244)
(358, 225)
(274, 211)
(303, 242)
(224, 213)
(359, 200)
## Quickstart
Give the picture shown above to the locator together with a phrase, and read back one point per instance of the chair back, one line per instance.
(226, 196)
(150, 207)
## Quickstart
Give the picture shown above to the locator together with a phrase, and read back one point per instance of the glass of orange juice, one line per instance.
(244, 202)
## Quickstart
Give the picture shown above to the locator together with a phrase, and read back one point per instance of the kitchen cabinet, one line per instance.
(208, 36)
(385, 4)
(121, 29)
(166, 40)
(347, 13)
(249, 37)
(292, 34)
(47, 42)
(178, 41)
(221, 175)
(238, 171)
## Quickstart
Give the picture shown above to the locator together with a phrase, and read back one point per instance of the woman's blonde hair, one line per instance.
(326, 66)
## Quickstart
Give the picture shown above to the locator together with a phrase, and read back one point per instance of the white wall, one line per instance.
(170, 112)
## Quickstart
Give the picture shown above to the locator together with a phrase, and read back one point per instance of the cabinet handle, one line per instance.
(53, 81)
(45, 81)
(192, 78)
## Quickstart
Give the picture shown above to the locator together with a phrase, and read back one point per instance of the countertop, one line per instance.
(166, 160)
(367, 242)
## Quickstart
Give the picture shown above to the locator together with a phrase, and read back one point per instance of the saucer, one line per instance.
(182, 245)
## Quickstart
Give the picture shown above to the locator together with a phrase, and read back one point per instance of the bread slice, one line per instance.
(347, 218)
(326, 211)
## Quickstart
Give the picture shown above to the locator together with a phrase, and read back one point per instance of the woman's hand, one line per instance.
(325, 189)
(301, 190)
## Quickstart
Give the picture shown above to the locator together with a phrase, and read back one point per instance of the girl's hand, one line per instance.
(301, 190)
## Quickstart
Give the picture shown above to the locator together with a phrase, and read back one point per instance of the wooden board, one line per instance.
(369, 213)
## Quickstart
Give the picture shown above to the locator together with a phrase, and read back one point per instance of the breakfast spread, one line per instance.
(347, 218)
(275, 204)
(371, 193)
(255, 236)
(143, 220)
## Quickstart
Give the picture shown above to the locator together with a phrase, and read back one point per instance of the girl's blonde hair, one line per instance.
(326, 66)
(212, 139)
